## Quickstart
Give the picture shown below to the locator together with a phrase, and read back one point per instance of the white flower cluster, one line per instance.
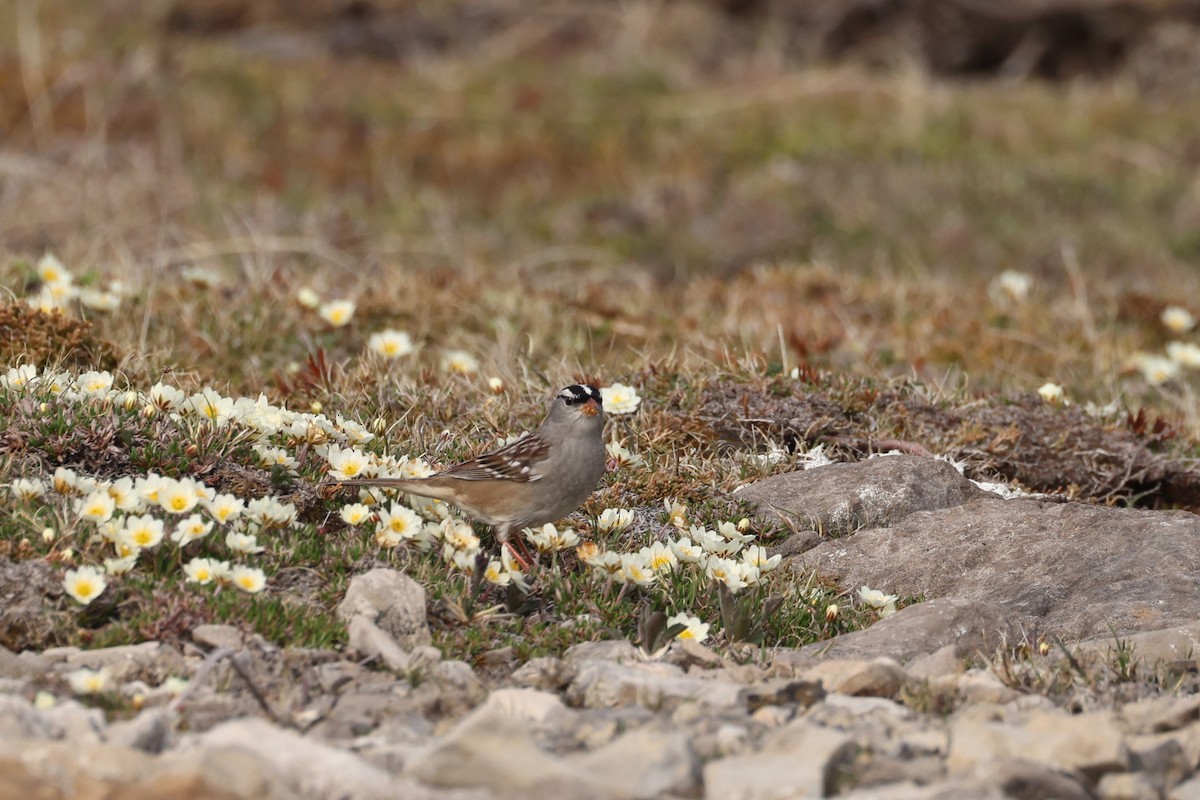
(58, 289)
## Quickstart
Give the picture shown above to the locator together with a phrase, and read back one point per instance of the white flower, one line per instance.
(619, 399)
(1010, 286)
(875, 598)
(84, 584)
(756, 556)
(89, 681)
(225, 507)
(726, 571)
(178, 496)
(270, 512)
(66, 481)
(94, 384)
(496, 385)
(100, 299)
(1177, 319)
(635, 569)
(337, 312)
(51, 270)
(460, 362)
(398, 524)
(623, 457)
(270, 457)
(458, 536)
(307, 298)
(1052, 393)
(166, 397)
(713, 542)
(1185, 354)
(248, 579)
(694, 629)
(676, 512)
(496, 574)
(515, 573)
(20, 376)
(28, 488)
(119, 566)
(190, 529)
(243, 543)
(201, 277)
(141, 532)
(614, 519)
(97, 507)
(610, 563)
(549, 539)
(125, 496)
(354, 514)
(347, 463)
(211, 405)
(204, 570)
(685, 551)
(659, 557)
(390, 344)
(1156, 370)
(734, 533)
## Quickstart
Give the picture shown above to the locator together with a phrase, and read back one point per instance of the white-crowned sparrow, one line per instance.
(539, 478)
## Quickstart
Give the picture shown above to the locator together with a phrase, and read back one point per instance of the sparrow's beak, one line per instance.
(589, 409)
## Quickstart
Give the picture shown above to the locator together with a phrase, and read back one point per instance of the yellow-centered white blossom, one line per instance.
(694, 630)
(249, 579)
(337, 312)
(84, 584)
(390, 344)
(90, 681)
(459, 362)
(1177, 319)
(619, 399)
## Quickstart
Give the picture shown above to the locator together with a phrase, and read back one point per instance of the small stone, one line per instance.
(1160, 714)
(799, 761)
(1022, 778)
(151, 731)
(393, 601)
(152, 662)
(940, 663)
(1127, 786)
(372, 642)
(545, 672)
(880, 677)
(530, 705)
(644, 763)
(216, 636)
(1090, 743)
(604, 684)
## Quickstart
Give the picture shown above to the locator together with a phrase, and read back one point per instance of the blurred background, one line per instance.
(829, 183)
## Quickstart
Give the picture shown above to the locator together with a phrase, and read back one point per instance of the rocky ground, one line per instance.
(1053, 657)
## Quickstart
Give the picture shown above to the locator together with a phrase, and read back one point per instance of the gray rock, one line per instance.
(952, 789)
(1172, 643)
(617, 650)
(461, 687)
(1021, 778)
(310, 769)
(1159, 714)
(489, 749)
(392, 600)
(372, 642)
(1088, 743)
(152, 662)
(800, 760)
(529, 705)
(880, 677)
(214, 636)
(1188, 790)
(972, 628)
(151, 731)
(545, 672)
(604, 684)
(21, 667)
(1064, 566)
(1127, 786)
(838, 499)
(644, 763)
(20, 720)
(74, 722)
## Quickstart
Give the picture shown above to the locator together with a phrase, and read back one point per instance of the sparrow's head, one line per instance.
(581, 399)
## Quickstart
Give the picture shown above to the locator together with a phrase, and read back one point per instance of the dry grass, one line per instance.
(639, 212)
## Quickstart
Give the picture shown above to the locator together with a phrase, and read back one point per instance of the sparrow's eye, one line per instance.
(574, 395)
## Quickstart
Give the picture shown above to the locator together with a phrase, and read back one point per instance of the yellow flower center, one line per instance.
(85, 588)
(203, 574)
